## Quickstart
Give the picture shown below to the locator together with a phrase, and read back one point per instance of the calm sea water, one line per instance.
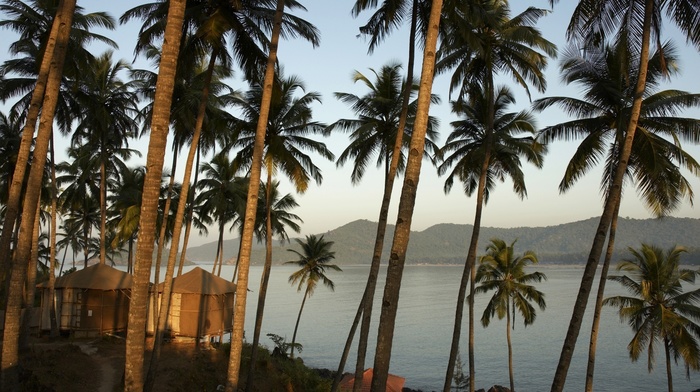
(424, 331)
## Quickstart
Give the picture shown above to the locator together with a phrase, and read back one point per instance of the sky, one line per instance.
(329, 68)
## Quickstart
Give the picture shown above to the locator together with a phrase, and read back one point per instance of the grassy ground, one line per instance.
(82, 365)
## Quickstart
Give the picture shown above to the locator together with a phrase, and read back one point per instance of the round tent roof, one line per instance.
(199, 281)
(96, 277)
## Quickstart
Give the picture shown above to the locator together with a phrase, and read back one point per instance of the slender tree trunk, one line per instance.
(264, 279)
(470, 354)
(10, 348)
(136, 331)
(669, 373)
(510, 349)
(613, 199)
(296, 325)
(52, 243)
(30, 287)
(177, 228)
(190, 214)
(251, 207)
(368, 301)
(348, 343)
(164, 225)
(103, 211)
(590, 370)
(405, 213)
(219, 248)
(130, 267)
(62, 20)
(470, 262)
(86, 239)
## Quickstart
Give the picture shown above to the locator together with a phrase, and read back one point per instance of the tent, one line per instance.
(393, 383)
(89, 302)
(201, 305)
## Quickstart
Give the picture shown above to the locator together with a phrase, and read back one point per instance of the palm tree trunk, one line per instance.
(10, 348)
(52, 240)
(469, 265)
(510, 349)
(30, 287)
(164, 225)
(251, 207)
(136, 331)
(368, 300)
(296, 325)
(470, 357)
(63, 19)
(348, 343)
(86, 240)
(103, 211)
(669, 374)
(190, 214)
(219, 245)
(177, 228)
(590, 370)
(608, 212)
(264, 279)
(405, 213)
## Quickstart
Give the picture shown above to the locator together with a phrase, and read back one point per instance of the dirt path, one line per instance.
(108, 372)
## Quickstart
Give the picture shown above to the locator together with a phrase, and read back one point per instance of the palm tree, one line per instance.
(38, 35)
(126, 204)
(636, 24)
(290, 121)
(108, 108)
(49, 77)
(501, 271)
(480, 158)
(387, 17)
(659, 311)
(314, 260)
(608, 76)
(280, 219)
(374, 134)
(407, 201)
(481, 41)
(133, 368)
(252, 201)
(221, 195)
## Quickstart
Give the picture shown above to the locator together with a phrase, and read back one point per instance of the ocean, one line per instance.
(424, 331)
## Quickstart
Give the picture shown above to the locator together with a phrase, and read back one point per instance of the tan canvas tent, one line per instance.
(89, 302)
(201, 305)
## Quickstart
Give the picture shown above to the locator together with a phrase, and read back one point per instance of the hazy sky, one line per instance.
(328, 69)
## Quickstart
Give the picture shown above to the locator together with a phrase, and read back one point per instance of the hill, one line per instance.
(448, 243)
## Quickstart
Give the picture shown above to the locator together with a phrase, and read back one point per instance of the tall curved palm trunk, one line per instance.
(52, 242)
(593, 344)
(63, 19)
(264, 281)
(177, 229)
(368, 297)
(10, 348)
(405, 214)
(606, 218)
(464, 282)
(234, 364)
(296, 325)
(136, 331)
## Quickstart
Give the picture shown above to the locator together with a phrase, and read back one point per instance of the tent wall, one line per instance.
(87, 312)
(199, 315)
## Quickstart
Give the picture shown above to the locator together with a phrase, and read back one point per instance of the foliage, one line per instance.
(659, 310)
(282, 346)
